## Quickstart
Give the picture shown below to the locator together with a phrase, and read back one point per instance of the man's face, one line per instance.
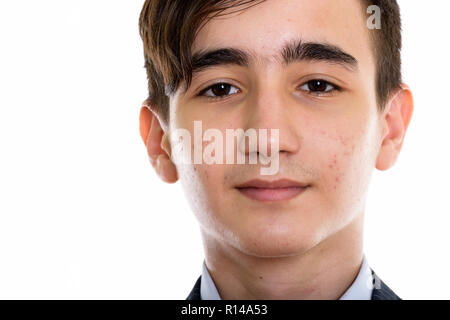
(329, 133)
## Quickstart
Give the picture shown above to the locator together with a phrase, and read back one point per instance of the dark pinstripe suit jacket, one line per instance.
(381, 293)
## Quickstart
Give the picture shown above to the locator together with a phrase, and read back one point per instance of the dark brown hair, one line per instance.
(386, 44)
(168, 29)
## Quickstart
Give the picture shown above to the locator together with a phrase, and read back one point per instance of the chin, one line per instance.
(276, 244)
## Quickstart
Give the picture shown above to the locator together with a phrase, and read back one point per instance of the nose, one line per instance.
(270, 108)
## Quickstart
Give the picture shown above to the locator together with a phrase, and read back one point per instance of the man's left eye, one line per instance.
(318, 86)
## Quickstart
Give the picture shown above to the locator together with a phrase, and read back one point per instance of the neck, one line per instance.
(325, 271)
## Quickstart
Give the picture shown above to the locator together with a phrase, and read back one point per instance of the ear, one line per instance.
(157, 142)
(395, 121)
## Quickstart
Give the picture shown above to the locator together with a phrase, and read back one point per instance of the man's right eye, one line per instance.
(219, 90)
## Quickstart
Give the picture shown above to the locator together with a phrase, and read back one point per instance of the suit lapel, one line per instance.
(381, 291)
(195, 292)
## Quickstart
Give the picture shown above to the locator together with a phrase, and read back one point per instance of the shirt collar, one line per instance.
(208, 290)
(360, 289)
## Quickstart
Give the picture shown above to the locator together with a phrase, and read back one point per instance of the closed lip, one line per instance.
(275, 184)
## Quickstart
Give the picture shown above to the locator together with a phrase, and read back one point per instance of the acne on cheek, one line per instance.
(347, 146)
(333, 165)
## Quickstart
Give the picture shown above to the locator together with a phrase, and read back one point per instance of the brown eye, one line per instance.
(218, 90)
(318, 86)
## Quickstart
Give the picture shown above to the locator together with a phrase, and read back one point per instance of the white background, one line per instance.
(84, 216)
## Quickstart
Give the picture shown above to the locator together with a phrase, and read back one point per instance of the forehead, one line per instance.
(265, 27)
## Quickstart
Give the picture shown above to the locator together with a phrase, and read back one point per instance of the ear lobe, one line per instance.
(397, 117)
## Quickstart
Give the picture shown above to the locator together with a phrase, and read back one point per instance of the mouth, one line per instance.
(278, 190)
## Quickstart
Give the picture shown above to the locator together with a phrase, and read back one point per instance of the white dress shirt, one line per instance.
(360, 289)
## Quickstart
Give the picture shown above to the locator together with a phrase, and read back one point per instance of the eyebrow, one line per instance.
(292, 51)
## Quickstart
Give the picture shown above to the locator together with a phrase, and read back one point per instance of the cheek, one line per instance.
(342, 184)
(342, 163)
(196, 182)
(334, 167)
(342, 160)
(203, 185)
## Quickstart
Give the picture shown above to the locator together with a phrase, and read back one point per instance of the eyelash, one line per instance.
(307, 83)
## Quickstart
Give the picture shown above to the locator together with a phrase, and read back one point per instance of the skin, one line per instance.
(311, 246)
